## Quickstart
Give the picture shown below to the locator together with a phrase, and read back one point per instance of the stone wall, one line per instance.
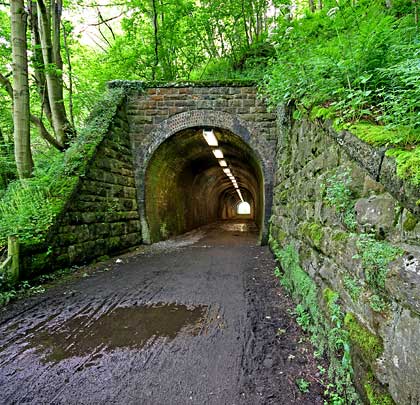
(328, 240)
(101, 217)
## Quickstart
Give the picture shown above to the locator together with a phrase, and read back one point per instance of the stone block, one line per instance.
(376, 213)
(403, 279)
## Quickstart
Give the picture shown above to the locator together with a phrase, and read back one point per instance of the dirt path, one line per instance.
(198, 320)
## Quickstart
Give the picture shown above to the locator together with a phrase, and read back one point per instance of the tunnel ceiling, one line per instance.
(186, 187)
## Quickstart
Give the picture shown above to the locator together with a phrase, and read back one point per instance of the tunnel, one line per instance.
(191, 181)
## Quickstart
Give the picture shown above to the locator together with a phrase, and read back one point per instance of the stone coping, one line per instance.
(141, 85)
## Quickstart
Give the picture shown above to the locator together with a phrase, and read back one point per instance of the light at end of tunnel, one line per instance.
(218, 154)
(227, 171)
(222, 163)
(210, 137)
(244, 208)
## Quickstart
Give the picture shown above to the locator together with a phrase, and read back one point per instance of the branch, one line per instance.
(45, 134)
(106, 24)
(107, 20)
(5, 82)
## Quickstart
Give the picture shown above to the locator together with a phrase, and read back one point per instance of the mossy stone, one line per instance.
(410, 222)
(371, 346)
(375, 393)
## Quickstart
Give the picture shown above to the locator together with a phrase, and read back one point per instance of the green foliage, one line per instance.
(353, 287)
(303, 385)
(303, 318)
(408, 163)
(375, 393)
(29, 207)
(410, 222)
(339, 196)
(24, 289)
(352, 61)
(375, 257)
(327, 333)
(370, 345)
(377, 135)
(313, 231)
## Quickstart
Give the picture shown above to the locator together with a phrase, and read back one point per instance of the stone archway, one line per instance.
(243, 136)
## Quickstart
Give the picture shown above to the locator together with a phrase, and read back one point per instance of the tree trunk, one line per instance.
(50, 42)
(312, 6)
(23, 155)
(156, 39)
(38, 62)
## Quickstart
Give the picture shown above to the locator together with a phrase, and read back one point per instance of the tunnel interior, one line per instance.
(187, 187)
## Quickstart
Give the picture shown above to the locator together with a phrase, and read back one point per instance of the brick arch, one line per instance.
(245, 130)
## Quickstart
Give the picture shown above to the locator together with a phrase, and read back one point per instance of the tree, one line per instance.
(23, 154)
(49, 21)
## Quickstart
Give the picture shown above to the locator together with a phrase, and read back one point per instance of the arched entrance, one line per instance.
(185, 185)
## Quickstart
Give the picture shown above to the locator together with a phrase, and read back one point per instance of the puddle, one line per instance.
(131, 327)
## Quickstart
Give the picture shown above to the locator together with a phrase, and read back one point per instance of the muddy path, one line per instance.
(197, 320)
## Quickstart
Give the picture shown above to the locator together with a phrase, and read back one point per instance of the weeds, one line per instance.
(303, 385)
(327, 331)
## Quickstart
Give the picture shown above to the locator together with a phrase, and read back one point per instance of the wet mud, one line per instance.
(199, 319)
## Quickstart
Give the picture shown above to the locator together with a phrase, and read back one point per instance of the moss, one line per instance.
(375, 393)
(140, 85)
(370, 345)
(408, 163)
(329, 295)
(281, 236)
(377, 135)
(340, 236)
(313, 231)
(410, 222)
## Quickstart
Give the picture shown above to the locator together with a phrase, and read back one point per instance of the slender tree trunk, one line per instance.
(416, 14)
(50, 41)
(312, 6)
(69, 66)
(245, 24)
(156, 38)
(23, 155)
(38, 62)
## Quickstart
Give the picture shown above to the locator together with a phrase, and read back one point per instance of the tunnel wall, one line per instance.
(155, 114)
(332, 249)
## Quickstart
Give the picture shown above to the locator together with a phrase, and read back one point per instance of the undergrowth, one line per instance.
(29, 207)
(354, 62)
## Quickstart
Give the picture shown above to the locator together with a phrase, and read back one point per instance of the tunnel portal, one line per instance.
(178, 182)
(188, 184)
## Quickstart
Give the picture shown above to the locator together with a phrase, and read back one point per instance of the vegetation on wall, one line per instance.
(325, 325)
(29, 207)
